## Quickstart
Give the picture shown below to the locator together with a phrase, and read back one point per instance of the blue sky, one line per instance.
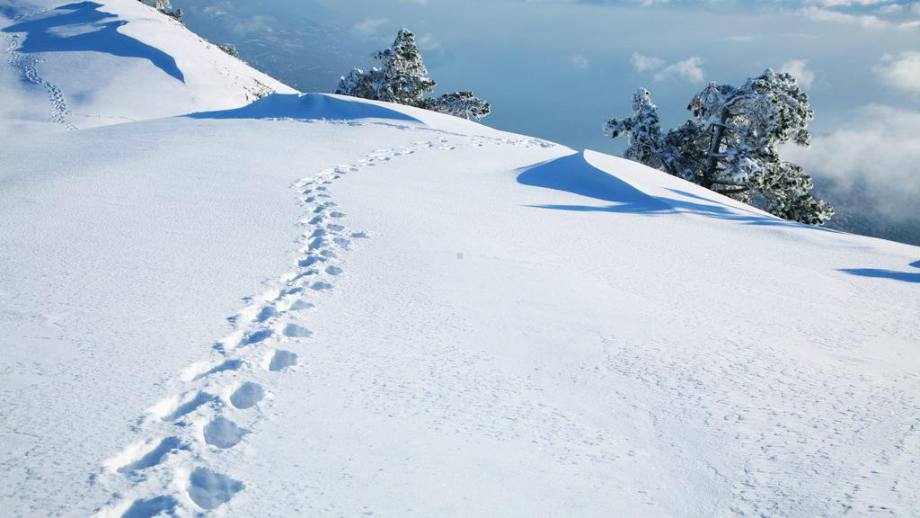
(559, 69)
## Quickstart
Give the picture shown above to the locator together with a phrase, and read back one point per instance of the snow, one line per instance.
(321, 306)
(117, 61)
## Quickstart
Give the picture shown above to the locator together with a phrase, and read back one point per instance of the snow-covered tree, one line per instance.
(403, 78)
(643, 130)
(230, 49)
(165, 7)
(459, 104)
(731, 144)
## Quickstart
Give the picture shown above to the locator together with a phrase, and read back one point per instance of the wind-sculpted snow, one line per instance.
(309, 107)
(82, 27)
(574, 174)
(577, 174)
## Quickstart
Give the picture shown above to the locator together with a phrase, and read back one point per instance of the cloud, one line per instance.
(878, 151)
(890, 9)
(846, 3)
(369, 26)
(579, 61)
(901, 72)
(800, 71)
(255, 24)
(867, 21)
(644, 63)
(428, 42)
(689, 69)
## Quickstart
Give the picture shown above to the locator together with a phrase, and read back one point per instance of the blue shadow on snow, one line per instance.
(307, 106)
(573, 174)
(80, 28)
(886, 274)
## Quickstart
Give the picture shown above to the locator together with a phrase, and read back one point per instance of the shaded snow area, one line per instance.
(87, 64)
(320, 306)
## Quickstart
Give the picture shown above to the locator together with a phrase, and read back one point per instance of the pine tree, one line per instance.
(403, 78)
(643, 130)
(460, 104)
(731, 144)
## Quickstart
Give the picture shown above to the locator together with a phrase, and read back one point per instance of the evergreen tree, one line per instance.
(643, 130)
(402, 78)
(731, 144)
(461, 104)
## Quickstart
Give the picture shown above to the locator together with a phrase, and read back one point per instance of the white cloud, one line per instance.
(644, 63)
(867, 21)
(428, 42)
(369, 26)
(800, 71)
(255, 24)
(689, 69)
(901, 72)
(846, 3)
(890, 9)
(579, 61)
(879, 147)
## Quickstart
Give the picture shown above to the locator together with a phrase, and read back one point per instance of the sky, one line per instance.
(559, 69)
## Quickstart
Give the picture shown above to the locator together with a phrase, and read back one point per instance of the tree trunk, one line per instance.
(712, 160)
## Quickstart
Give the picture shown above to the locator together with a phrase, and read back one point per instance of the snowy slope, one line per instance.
(320, 306)
(88, 64)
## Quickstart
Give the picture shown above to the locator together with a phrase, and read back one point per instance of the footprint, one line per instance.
(247, 395)
(342, 242)
(223, 433)
(320, 286)
(257, 336)
(329, 254)
(308, 261)
(154, 456)
(360, 235)
(209, 489)
(335, 228)
(190, 406)
(334, 270)
(300, 304)
(337, 215)
(150, 507)
(296, 331)
(229, 365)
(282, 360)
(266, 313)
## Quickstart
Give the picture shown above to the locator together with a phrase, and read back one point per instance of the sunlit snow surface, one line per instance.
(319, 306)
